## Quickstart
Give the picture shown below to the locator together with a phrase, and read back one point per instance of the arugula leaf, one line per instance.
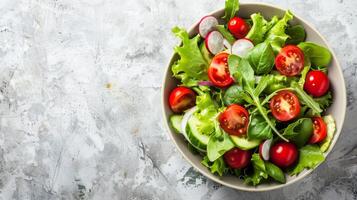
(306, 99)
(261, 58)
(191, 66)
(259, 171)
(236, 94)
(331, 129)
(245, 76)
(319, 55)
(309, 157)
(259, 128)
(276, 35)
(218, 144)
(299, 131)
(304, 72)
(297, 34)
(320, 68)
(226, 34)
(231, 8)
(324, 101)
(218, 166)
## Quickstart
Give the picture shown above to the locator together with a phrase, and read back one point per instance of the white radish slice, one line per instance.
(185, 119)
(227, 45)
(206, 25)
(214, 42)
(264, 149)
(241, 47)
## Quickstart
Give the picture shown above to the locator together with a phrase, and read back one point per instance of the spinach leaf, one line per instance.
(299, 132)
(319, 56)
(218, 144)
(244, 74)
(236, 94)
(231, 8)
(226, 34)
(259, 171)
(261, 58)
(259, 128)
(297, 34)
(309, 157)
(218, 166)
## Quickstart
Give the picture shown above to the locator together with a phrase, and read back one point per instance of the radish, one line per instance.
(206, 25)
(241, 47)
(264, 149)
(214, 42)
(227, 45)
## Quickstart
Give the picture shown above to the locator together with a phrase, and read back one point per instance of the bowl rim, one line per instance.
(248, 187)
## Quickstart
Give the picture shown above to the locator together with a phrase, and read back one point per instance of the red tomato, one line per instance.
(283, 154)
(316, 83)
(181, 98)
(290, 60)
(320, 130)
(234, 120)
(285, 106)
(238, 27)
(218, 71)
(237, 158)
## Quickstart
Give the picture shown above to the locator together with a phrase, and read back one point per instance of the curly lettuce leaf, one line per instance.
(259, 171)
(191, 67)
(257, 32)
(231, 8)
(217, 167)
(309, 157)
(331, 129)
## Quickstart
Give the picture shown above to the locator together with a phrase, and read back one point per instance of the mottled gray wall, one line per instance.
(80, 113)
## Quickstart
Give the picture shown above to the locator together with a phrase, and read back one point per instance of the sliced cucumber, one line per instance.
(245, 144)
(197, 139)
(175, 121)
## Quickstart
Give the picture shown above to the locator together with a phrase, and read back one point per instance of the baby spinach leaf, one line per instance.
(297, 34)
(299, 132)
(331, 129)
(259, 128)
(309, 157)
(319, 55)
(261, 58)
(324, 101)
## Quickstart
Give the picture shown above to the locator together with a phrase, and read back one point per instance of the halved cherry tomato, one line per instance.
(320, 130)
(316, 83)
(181, 98)
(234, 120)
(218, 71)
(283, 154)
(285, 106)
(290, 60)
(237, 158)
(238, 27)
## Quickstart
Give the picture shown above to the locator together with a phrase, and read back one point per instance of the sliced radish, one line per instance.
(264, 149)
(241, 47)
(214, 42)
(205, 83)
(206, 25)
(185, 119)
(227, 45)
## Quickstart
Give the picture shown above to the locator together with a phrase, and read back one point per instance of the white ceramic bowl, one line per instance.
(337, 109)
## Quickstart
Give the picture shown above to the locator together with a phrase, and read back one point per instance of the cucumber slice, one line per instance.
(175, 121)
(245, 144)
(198, 140)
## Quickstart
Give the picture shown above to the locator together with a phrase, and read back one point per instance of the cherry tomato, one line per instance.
(234, 120)
(290, 60)
(237, 158)
(285, 106)
(316, 83)
(181, 98)
(283, 154)
(218, 71)
(238, 27)
(320, 130)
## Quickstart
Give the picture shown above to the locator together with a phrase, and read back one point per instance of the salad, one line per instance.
(252, 95)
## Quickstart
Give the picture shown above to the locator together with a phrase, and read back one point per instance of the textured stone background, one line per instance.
(80, 113)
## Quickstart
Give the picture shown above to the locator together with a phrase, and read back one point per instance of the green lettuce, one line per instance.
(331, 129)
(218, 166)
(191, 67)
(309, 157)
(319, 55)
(231, 8)
(259, 171)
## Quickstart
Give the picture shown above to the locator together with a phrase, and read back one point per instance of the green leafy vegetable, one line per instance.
(191, 66)
(299, 132)
(226, 34)
(276, 35)
(297, 34)
(231, 8)
(257, 32)
(275, 172)
(331, 129)
(218, 144)
(319, 56)
(205, 53)
(261, 58)
(324, 101)
(218, 166)
(276, 82)
(244, 74)
(206, 112)
(259, 171)
(320, 68)
(307, 66)
(236, 94)
(259, 128)
(309, 157)
(306, 99)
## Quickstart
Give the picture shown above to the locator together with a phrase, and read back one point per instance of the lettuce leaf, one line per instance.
(191, 67)
(309, 157)
(231, 8)
(257, 32)
(324, 101)
(259, 171)
(218, 166)
(331, 129)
